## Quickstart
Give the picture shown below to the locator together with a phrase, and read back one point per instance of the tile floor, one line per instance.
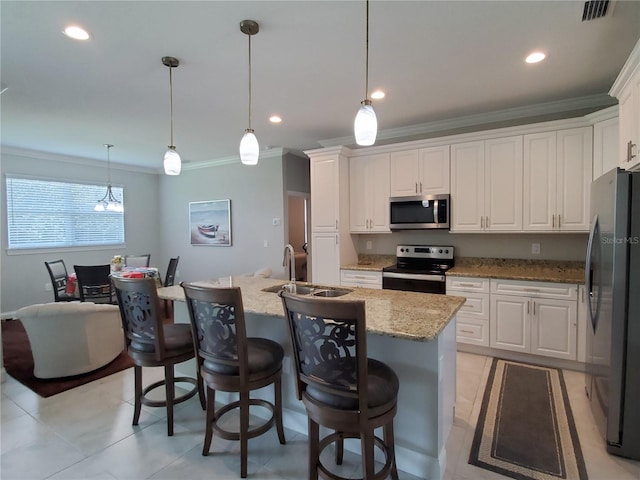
(86, 433)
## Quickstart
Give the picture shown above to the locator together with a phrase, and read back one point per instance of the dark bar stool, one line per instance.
(150, 343)
(231, 362)
(340, 387)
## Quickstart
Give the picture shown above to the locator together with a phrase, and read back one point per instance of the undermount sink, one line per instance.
(312, 290)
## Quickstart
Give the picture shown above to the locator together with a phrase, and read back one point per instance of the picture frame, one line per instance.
(210, 223)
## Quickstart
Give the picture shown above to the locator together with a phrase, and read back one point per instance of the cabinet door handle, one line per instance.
(553, 221)
(420, 187)
(466, 331)
(531, 289)
(534, 308)
(558, 220)
(486, 222)
(466, 285)
(527, 307)
(336, 239)
(336, 223)
(482, 222)
(630, 146)
(416, 187)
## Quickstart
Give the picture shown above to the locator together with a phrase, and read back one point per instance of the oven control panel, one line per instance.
(425, 251)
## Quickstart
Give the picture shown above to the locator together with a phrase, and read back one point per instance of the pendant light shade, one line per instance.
(249, 148)
(172, 161)
(109, 202)
(365, 126)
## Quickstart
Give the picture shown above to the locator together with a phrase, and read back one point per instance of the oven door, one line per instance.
(414, 282)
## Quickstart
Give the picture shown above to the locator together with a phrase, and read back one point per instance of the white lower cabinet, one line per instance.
(472, 325)
(361, 278)
(534, 317)
(325, 258)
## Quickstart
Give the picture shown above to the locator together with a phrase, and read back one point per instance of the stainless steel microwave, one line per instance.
(417, 213)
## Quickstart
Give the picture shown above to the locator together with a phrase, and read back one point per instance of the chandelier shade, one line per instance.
(365, 125)
(109, 202)
(249, 147)
(172, 161)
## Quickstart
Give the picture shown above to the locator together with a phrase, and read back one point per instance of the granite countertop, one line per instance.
(408, 315)
(516, 269)
(371, 263)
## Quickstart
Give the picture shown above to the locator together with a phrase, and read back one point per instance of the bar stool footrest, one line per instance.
(161, 383)
(338, 436)
(251, 433)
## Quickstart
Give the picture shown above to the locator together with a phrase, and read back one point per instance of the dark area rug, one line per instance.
(18, 362)
(526, 429)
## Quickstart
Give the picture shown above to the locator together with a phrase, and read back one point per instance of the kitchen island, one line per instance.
(414, 333)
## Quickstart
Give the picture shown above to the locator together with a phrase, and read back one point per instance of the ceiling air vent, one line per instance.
(595, 9)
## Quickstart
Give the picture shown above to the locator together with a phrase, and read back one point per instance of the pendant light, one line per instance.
(109, 202)
(249, 148)
(365, 126)
(172, 161)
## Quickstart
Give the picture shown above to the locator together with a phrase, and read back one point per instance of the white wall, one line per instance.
(257, 197)
(24, 275)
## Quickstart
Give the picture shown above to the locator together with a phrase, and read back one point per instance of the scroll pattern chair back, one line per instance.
(329, 346)
(137, 260)
(141, 319)
(94, 283)
(59, 279)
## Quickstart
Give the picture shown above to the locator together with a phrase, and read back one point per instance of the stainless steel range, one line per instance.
(419, 268)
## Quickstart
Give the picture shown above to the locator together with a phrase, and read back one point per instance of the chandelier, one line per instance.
(109, 202)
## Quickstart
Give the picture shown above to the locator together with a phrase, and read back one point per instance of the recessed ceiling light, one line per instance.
(76, 32)
(377, 95)
(535, 57)
(275, 119)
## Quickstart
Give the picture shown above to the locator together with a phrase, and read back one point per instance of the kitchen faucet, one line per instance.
(292, 265)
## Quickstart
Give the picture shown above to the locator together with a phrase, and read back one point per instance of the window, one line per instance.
(52, 214)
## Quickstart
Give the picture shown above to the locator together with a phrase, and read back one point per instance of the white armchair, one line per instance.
(71, 338)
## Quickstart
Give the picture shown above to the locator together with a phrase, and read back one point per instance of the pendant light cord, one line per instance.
(249, 81)
(108, 163)
(171, 101)
(366, 91)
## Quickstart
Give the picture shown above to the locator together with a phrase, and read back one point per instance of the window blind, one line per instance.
(50, 214)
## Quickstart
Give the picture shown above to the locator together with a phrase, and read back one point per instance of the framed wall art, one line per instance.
(210, 223)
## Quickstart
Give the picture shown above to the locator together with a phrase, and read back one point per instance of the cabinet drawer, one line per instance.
(360, 278)
(476, 306)
(564, 291)
(467, 284)
(475, 332)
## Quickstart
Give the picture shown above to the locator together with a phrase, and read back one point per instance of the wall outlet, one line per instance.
(48, 287)
(535, 248)
(369, 244)
(275, 222)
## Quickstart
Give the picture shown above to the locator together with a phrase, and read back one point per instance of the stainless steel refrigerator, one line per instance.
(613, 334)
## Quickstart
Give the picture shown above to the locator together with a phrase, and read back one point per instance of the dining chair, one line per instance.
(153, 343)
(169, 280)
(137, 260)
(94, 283)
(231, 362)
(342, 390)
(59, 280)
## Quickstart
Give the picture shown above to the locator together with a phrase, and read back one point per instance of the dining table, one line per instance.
(124, 272)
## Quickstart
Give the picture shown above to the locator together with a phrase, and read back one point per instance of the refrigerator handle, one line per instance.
(588, 281)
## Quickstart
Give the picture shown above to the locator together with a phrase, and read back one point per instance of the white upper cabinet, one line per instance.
(422, 171)
(325, 193)
(557, 176)
(467, 187)
(626, 89)
(369, 193)
(606, 139)
(486, 185)
(503, 184)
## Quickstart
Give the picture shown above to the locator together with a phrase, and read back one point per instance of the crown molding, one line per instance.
(630, 66)
(601, 115)
(483, 119)
(216, 162)
(39, 155)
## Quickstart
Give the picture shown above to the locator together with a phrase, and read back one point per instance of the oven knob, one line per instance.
(440, 251)
(446, 251)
